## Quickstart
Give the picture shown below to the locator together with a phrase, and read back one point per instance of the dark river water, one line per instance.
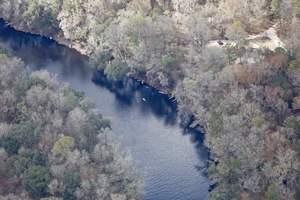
(169, 156)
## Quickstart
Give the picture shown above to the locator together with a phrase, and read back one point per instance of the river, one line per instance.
(170, 157)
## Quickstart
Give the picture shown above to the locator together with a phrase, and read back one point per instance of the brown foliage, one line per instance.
(272, 144)
(272, 95)
(270, 67)
(256, 73)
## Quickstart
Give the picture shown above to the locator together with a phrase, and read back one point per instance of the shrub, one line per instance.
(293, 123)
(36, 180)
(10, 145)
(259, 121)
(231, 53)
(169, 63)
(296, 147)
(279, 50)
(70, 102)
(71, 181)
(216, 123)
(293, 65)
(211, 171)
(25, 133)
(36, 81)
(282, 81)
(99, 59)
(40, 17)
(117, 70)
(272, 193)
(157, 10)
(63, 145)
(28, 158)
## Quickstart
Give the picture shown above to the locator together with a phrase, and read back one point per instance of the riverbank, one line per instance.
(244, 97)
(150, 129)
(54, 142)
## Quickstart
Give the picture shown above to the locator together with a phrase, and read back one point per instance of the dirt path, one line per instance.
(257, 41)
(267, 39)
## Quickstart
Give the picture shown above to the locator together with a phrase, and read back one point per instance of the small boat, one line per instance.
(144, 99)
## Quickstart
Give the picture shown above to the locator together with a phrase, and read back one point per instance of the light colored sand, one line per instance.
(267, 39)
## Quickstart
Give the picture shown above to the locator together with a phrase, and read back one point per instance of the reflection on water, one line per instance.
(159, 104)
(145, 120)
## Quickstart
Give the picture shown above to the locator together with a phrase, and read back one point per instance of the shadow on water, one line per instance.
(39, 51)
(159, 104)
(125, 91)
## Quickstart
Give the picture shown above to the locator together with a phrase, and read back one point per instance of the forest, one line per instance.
(54, 142)
(233, 65)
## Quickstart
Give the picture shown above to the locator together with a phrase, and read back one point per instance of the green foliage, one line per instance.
(211, 170)
(116, 70)
(40, 17)
(86, 104)
(28, 158)
(21, 164)
(215, 102)
(223, 168)
(274, 6)
(296, 7)
(259, 121)
(231, 53)
(293, 65)
(216, 124)
(137, 28)
(27, 154)
(69, 5)
(11, 145)
(76, 93)
(72, 98)
(189, 84)
(36, 180)
(97, 122)
(293, 123)
(279, 50)
(236, 31)
(282, 81)
(70, 102)
(25, 133)
(99, 59)
(71, 181)
(36, 157)
(104, 123)
(63, 145)
(234, 166)
(168, 63)
(157, 10)
(296, 148)
(224, 191)
(272, 193)
(36, 81)
(237, 25)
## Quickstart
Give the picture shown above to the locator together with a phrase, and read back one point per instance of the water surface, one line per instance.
(145, 120)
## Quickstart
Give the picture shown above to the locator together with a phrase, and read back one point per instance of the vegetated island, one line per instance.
(54, 142)
(221, 59)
